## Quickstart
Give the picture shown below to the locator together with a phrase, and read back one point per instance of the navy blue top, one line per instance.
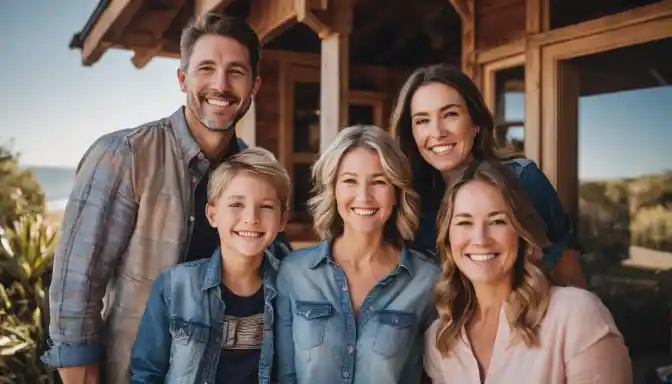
(544, 198)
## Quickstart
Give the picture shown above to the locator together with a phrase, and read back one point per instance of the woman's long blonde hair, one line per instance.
(454, 293)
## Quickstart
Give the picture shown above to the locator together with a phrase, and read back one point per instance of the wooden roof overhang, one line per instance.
(382, 32)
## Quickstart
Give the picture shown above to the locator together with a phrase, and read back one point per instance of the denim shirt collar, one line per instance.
(213, 272)
(324, 254)
(188, 145)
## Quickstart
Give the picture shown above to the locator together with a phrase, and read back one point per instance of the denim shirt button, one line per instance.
(309, 312)
(345, 288)
(351, 349)
(345, 374)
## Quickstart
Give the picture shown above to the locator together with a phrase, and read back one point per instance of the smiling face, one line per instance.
(483, 241)
(248, 215)
(365, 198)
(218, 81)
(442, 128)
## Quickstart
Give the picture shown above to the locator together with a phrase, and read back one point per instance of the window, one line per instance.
(303, 132)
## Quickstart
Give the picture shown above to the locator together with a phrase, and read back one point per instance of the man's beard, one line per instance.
(242, 109)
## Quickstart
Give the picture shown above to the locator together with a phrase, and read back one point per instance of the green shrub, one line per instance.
(26, 254)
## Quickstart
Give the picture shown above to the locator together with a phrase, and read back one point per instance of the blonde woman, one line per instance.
(354, 308)
(500, 318)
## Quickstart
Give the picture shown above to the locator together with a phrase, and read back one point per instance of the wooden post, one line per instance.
(467, 11)
(537, 21)
(335, 74)
(246, 129)
(567, 155)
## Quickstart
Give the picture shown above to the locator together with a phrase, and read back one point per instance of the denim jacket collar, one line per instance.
(324, 254)
(189, 146)
(213, 272)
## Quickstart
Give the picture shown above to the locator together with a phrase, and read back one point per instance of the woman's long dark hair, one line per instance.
(427, 181)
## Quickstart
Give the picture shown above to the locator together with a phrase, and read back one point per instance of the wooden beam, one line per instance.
(466, 10)
(538, 16)
(143, 56)
(659, 10)
(335, 74)
(201, 7)
(567, 145)
(270, 18)
(109, 27)
(157, 23)
(513, 48)
(305, 15)
(533, 119)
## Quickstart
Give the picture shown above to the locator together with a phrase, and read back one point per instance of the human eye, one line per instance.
(422, 120)
(236, 205)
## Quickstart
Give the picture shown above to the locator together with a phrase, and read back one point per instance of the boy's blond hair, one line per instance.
(256, 161)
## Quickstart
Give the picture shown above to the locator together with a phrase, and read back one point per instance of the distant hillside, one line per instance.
(617, 214)
(56, 182)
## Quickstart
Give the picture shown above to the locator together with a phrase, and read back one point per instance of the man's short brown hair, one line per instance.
(220, 25)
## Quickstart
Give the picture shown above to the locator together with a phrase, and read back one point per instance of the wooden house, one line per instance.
(327, 63)
(330, 63)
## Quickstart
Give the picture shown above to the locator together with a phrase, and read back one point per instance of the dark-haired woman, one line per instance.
(442, 124)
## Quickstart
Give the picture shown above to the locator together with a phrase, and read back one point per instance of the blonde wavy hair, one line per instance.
(256, 161)
(454, 293)
(402, 225)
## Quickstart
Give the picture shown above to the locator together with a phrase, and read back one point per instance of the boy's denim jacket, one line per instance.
(319, 339)
(180, 334)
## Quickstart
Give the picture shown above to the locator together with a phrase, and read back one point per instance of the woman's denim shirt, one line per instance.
(544, 198)
(319, 338)
(180, 335)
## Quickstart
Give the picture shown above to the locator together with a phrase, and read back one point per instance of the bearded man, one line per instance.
(138, 204)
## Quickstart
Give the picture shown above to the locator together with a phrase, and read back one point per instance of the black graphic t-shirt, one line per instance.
(241, 343)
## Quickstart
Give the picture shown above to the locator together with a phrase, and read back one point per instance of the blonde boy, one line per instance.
(211, 320)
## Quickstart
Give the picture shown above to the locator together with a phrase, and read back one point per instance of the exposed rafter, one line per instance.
(109, 27)
(269, 18)
(157, 23)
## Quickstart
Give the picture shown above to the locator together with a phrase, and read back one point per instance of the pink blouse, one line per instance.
(579, 343)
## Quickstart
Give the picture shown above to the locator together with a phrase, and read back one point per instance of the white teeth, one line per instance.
(439, 149)
(364, 212)
(219, 103)
(249, 234)
(484, 257)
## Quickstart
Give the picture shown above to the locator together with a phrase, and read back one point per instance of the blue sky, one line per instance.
(53, 107)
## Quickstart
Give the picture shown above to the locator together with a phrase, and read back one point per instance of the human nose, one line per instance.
(219, 81)
(362, 192)
(435, 128)
(480, 235)
(251, 215)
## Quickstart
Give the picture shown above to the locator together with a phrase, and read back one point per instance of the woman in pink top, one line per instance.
(500, 318)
